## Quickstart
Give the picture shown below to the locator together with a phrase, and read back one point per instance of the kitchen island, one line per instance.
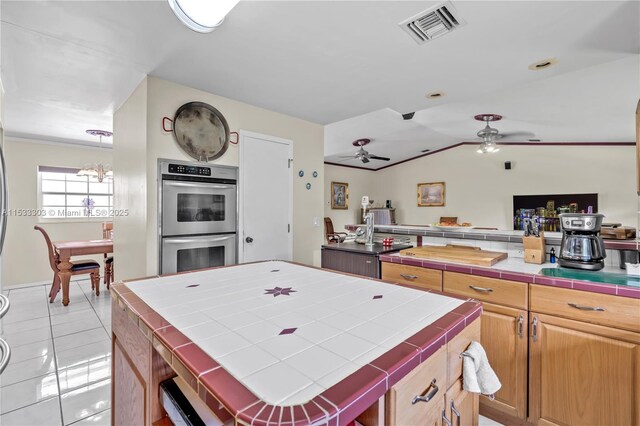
(280, 343)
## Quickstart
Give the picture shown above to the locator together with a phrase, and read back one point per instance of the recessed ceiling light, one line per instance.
(533, 140)
(425, 150)
(434, 95)
(202, 16)
(543, 64)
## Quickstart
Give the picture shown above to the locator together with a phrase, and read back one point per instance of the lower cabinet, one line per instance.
(367, 265)
(432, 393)
(504, 337)
(129, 395)
(583, 374)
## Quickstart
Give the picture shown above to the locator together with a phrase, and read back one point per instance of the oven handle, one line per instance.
(199, 185)
(197, 240)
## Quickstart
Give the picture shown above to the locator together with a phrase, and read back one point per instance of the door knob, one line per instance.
(249, 239)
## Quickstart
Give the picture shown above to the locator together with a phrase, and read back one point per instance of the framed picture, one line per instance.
(431, 194)
(339, 195)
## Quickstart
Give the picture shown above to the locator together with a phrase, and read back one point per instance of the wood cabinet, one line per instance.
(129, 391)
(438, 382)
(430, 279)
(367, 265)
(583, 374)
(503, 336)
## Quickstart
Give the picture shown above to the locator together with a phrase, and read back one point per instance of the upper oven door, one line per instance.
(191, 208)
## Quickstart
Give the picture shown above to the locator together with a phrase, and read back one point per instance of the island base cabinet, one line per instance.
(367, 265)
(583, 374)
(130, 394)
(461, 406)
(504, 337)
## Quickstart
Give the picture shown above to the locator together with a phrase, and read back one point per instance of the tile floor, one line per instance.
(60, 367)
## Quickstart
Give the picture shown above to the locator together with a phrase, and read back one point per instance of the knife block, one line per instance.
(534, 249)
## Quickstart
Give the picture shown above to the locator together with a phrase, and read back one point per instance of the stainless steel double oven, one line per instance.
(197, 216)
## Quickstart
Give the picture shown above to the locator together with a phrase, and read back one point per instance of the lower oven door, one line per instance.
(182, 254)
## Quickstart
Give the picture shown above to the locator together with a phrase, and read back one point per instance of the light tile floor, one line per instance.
(60, 367)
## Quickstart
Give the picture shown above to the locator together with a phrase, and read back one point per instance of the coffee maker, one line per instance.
(582, 246)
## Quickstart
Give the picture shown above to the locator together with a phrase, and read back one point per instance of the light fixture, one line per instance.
(488, 146)
(434, 95)
(97, 170)
(202, 16)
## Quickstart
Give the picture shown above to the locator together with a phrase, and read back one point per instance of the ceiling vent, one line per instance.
(432, 23)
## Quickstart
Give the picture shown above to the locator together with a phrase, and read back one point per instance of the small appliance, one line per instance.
(582, 246)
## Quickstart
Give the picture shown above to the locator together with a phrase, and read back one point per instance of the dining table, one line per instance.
(66, 250)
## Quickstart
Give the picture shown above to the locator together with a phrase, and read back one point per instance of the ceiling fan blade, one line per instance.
(517, 135)
(375, 157)
(348, 156)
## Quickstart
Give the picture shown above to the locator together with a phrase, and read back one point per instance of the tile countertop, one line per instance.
(483, 235)
(276, 340)
(611, 280)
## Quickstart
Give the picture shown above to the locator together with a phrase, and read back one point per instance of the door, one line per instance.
(180, 254)
(583, 374)
(461, 406)
(504, 337)
(266, 198)
(191, 208)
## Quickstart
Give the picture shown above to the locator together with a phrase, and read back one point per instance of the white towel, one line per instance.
(477, 374)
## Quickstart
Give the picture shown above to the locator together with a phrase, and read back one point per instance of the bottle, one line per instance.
(552, 255)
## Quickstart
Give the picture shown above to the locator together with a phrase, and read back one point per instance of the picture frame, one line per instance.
(339, 195)
(431, 194)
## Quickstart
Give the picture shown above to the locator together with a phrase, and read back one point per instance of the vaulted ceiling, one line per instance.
(67, 65)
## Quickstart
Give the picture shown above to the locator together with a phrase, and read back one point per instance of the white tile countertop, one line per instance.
(289, 332)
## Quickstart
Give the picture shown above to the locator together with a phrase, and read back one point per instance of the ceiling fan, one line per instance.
(362, 154)
(489, 134)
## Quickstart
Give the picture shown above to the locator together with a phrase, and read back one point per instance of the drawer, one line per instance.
(596, 308)
(400, 410)
(492, 290)
(430, 279)
(458, 345)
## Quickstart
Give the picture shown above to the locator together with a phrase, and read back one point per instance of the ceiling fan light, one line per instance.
(202, 16)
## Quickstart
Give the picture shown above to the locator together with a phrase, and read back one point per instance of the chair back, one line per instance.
(107, 227)
(53, 257)
(328, 228)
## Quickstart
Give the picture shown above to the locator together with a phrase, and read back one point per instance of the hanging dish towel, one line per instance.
(477, 374)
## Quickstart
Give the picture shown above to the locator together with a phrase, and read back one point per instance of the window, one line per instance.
(64, 195)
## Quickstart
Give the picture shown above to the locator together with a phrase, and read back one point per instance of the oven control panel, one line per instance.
(182, 169)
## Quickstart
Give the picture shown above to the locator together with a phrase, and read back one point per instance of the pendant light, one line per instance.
(202, 16)
(97, 170)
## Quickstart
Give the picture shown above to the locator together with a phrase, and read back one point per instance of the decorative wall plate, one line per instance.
(201, 131)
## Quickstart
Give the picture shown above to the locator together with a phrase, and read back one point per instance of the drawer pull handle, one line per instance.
(456, 412)
(586, 308)
(482, 289)
(367, 261)
(408, 277)
(534, 329)
(428, 395)
(445, 420)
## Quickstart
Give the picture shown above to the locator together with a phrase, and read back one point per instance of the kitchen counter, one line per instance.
(276, 340)
(607, 281)
(552, 238)
(377, 248)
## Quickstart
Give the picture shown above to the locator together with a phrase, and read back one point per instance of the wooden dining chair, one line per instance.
(330, 235)
(107, 227)
(79, 267)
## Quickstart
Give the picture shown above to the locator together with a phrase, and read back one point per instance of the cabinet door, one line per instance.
(461, 406)
(352, 263)
(504, 337)
(583, 374)
(129, 399)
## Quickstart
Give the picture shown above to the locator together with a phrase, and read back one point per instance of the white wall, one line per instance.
(479, 190)
(163, 98)
(361, 182)
(130, 184)
(25, 258)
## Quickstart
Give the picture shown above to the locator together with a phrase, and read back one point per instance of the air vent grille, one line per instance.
(432, 23)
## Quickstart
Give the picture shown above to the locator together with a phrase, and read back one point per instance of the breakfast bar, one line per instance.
(279, 343)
